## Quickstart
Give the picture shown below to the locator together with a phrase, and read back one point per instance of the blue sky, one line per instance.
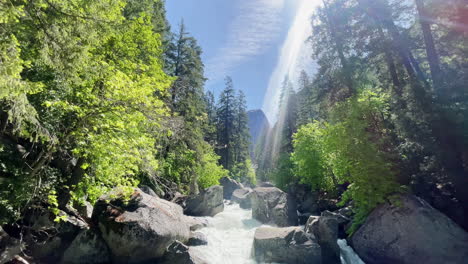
(256, 42)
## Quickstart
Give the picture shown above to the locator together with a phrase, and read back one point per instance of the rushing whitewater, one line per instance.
(230, 238)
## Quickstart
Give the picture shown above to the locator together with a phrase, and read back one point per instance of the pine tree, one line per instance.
(225, 124)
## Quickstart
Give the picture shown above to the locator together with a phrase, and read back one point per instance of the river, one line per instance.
(230, 238)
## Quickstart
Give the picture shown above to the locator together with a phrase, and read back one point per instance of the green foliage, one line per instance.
(353, 149)
(309, 156)
(233, 134)
(283, 175)
(208, 170)
(78, 87)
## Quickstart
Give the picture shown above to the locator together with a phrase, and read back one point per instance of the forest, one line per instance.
(102, 94)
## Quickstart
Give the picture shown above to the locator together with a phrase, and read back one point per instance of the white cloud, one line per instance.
(257, 23)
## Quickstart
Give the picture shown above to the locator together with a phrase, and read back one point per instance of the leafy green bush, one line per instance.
(208, 170)
(354, 149)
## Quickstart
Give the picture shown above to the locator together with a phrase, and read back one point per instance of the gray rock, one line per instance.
(265, 184)
(341, 219)
(196, 223)
(88, 247)
(345, 211)
(311, 226)
(180, 199)
(148, 190)
(327, 204)
(325, 229)
(197, 239)
(139, 228)
(229, 186)
(85, 210)
(178, 253)
(270, 205)
(9, 247)
(209, 202)
(47, 239)
(410, 231)
(242, 197)
(307, 200)
(327, 235)
(285, 245)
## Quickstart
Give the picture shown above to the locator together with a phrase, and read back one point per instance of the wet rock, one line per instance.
(138, 228)
(409, 230)
(178, 253)
(229, 186)
(325, 229)
(196, 223)
(87, 247)
(327, 236)
(197, 239)
(270, 205)
(285, 245)
(209, 202)
(242, 197)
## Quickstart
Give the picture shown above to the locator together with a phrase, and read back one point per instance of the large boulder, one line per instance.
(197, 239)
(9, 247)
(270, 205)
(242, 197)
(325, 229)
(306, 199)
(138, 227)
(327, 236)
(209, 202)
(178, 253)
(285, 245)
(87, 247)
(409, 230)
(343, 221)
(229, 186)
(47, 239)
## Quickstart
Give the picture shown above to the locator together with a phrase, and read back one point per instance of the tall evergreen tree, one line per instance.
(180, 150)
(226, 115)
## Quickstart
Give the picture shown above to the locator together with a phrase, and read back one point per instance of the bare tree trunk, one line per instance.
(432, 57)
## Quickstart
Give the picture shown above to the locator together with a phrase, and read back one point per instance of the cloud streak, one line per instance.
(252, 30)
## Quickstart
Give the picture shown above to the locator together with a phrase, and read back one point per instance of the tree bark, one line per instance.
(432, 57)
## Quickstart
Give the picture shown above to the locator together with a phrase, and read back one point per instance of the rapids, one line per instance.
(230, 237)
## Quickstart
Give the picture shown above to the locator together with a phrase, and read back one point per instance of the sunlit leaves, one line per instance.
(346, 151)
